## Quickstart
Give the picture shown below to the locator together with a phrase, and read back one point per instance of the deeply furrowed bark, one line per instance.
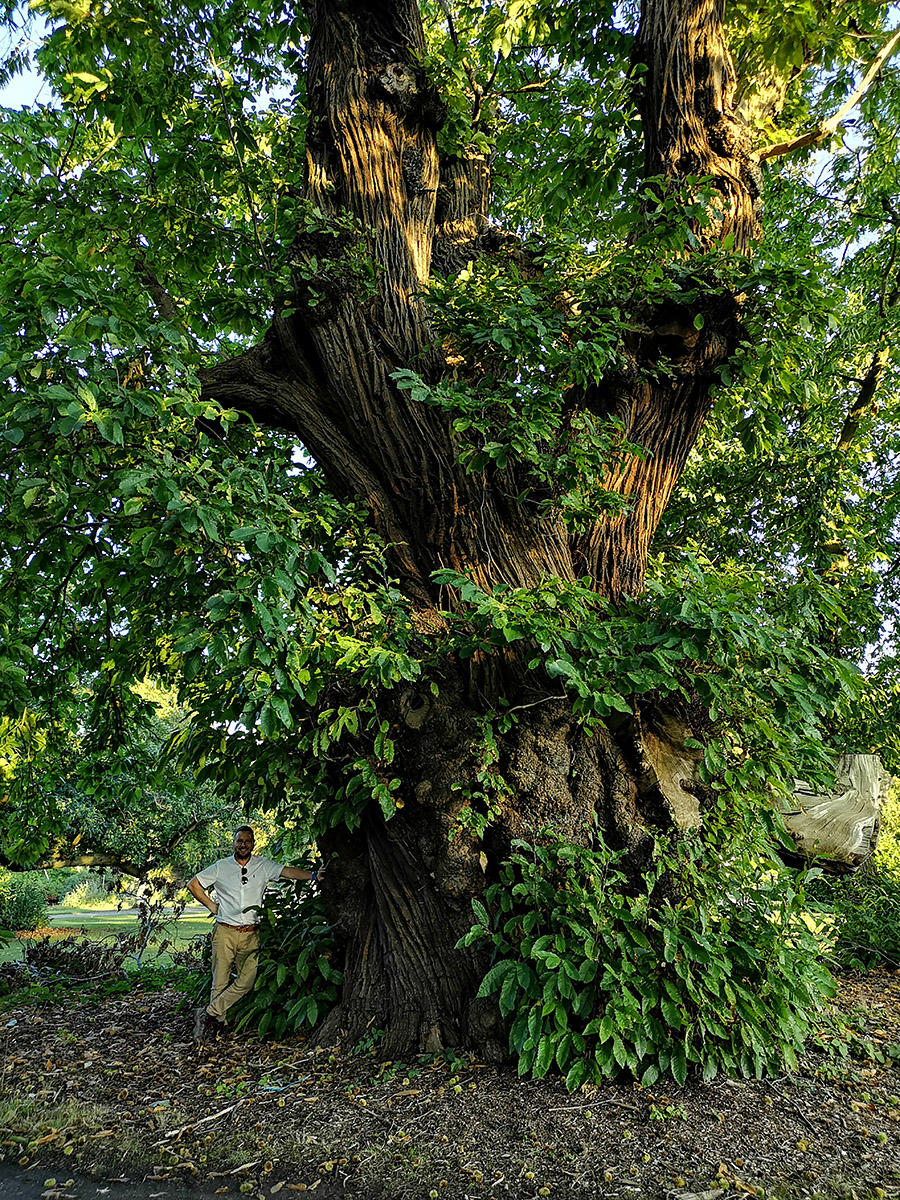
(691, 130)
(694, 143)
(400, 891)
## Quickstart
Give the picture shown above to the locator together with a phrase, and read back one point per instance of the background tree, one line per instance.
(112, 798)
(488, 266)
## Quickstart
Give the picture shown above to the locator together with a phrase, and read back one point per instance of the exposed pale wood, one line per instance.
(674, 765)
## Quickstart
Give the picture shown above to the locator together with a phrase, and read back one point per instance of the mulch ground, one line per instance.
(46, 933)
(115, 1088)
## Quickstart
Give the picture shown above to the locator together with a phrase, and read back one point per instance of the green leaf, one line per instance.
(545, 1056)
(577, 1075)
(650, 1075)
(679, 1066)
(495, 976)
(508, 993)
(283, 709)
(267, 719)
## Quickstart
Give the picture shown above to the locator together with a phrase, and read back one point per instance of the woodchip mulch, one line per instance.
(114, 1087)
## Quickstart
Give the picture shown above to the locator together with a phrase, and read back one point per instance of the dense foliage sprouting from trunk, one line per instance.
(490, 266)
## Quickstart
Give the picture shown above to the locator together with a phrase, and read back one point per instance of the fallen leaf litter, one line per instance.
(114, 1087)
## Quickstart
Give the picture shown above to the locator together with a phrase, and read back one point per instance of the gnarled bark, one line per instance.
(400, 891)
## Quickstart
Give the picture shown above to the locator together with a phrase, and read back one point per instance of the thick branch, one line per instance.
(687, 107)
(864, 404)
(252, 383)
(690, 130)
(665, 421)
(760, 97)
(276, 388)
(371, 147)
(165, 852)
(325, 373)
(825, 129)
(61, 855)
(461, 218)
(165, 305)
(60, 858)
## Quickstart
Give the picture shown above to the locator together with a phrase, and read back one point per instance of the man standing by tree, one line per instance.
(239, 882)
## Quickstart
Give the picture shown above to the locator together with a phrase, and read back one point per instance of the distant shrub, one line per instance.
(193, 955)
(22, 904)
(887, 856)
(92, 890)
(76, 958)
(52, 883)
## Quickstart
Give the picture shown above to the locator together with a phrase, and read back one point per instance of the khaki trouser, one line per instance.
(231, 950)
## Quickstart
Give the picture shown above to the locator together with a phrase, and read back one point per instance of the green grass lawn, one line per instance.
(101, 924)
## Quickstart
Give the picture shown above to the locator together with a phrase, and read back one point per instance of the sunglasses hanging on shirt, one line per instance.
(243, 874)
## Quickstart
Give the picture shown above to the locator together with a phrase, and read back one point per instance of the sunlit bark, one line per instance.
(400, 891)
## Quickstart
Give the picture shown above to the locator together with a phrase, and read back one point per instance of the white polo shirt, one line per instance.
(238, 901)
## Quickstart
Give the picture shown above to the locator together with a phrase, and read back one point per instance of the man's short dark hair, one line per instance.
(245, 829)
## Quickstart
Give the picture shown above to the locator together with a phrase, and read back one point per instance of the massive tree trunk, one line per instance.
(400, 891)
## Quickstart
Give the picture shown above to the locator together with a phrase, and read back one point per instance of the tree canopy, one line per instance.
(484, 416)
(111, 797)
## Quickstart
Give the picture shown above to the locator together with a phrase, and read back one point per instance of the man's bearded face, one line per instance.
(243, 845)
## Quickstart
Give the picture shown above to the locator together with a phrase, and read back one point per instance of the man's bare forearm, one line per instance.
(297, 873)
(202, 896)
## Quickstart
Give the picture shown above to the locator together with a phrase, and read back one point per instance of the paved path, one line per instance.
(16, 1184)
(67, 918)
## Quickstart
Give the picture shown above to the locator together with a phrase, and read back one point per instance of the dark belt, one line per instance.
(239, 928)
